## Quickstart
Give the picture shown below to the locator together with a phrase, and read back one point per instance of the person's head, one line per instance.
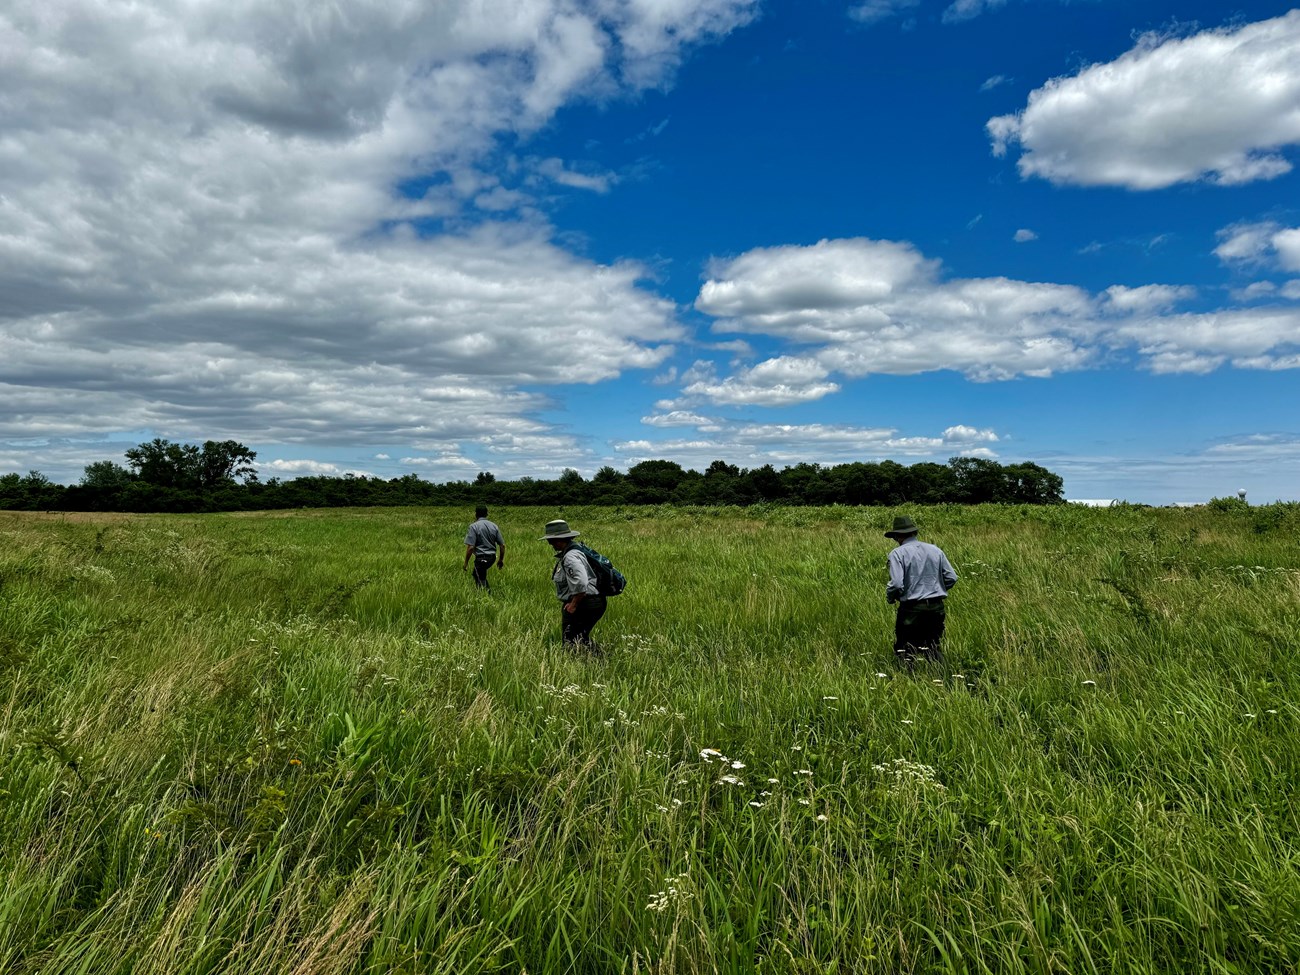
(480, 511)
(904, 528)
(559, 534)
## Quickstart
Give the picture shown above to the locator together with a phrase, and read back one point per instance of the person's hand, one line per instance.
(501, 563)
(571, 606)
(465, 567)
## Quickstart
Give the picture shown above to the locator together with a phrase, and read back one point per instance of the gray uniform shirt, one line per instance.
(919, 570)
(572, 575)
(485, 536)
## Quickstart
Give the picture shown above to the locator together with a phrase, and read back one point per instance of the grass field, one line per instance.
(303, 743)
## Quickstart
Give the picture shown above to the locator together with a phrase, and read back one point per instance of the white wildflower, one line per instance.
(673, 894)
(906, 774)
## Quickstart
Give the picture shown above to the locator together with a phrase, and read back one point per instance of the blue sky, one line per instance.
(529, 235)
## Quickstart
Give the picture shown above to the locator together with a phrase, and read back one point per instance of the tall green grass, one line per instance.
(303, 742)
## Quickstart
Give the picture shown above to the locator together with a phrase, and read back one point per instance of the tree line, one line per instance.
(221, 476)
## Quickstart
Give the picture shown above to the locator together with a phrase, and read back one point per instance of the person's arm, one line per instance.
(578, 576)
(948, 574)
(894, 588)
(501, 555)
(469, 554)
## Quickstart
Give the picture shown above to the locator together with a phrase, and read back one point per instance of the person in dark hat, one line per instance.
(582, 606)
(920, 577)
(483, 544)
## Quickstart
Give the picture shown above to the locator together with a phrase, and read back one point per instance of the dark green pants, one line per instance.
(918, 630)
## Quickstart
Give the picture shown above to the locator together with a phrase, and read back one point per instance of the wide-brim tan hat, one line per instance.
(903, 526)
(557, 529)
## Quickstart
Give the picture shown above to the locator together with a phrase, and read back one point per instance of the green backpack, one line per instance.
(609, 581)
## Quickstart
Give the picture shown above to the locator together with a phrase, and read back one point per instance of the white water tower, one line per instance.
(1242, 494)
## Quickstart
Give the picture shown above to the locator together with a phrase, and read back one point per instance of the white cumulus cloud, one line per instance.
(1146, 298)
(1265, 243)
(872, 306)
(780, 381)
(1255, 338)
(1220, 105)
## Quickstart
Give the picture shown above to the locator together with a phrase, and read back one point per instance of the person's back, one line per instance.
(920, 576)
(485, 545)
(924, 571)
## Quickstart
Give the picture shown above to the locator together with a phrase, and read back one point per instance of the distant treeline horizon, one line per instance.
(162, 476)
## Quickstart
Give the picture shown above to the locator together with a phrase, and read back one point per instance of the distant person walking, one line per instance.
(581, 605)
(483, 544)
(920, 577)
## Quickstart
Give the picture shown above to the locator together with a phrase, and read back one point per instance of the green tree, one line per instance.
(655, 480)
(979, 481)
(1031, 484)
(105, 475)
(223, 463)
(217, 464)
(161, 463)
(32, 492)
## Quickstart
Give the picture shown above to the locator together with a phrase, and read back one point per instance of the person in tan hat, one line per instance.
(582, 605)
(920, 577)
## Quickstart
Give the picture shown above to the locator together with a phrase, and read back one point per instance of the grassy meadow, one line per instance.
(302, 742)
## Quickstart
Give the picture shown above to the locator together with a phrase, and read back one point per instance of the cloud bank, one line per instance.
(282, 222)
(857, 307)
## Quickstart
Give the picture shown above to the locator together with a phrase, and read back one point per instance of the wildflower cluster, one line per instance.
(302, 624)
(673, 894)
(94, 572)
(1258, 570)
(569, 692)
(712, 755)
(907, 774)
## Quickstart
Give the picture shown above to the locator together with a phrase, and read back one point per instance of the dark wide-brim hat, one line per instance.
(557, 529)
(903, 526)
